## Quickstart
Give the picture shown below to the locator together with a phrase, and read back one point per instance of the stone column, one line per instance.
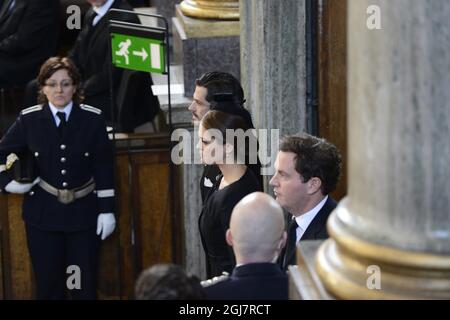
(395, 219)
(204, 45)
(273, 63)
(166, 7)
(194, 253)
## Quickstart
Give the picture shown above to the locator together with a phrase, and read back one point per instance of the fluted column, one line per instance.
(397, 213)
(211, 9)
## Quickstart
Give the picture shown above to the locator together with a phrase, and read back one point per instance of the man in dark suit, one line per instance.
(28, 36)
(307, 170)
(92, 56)
(257, 236)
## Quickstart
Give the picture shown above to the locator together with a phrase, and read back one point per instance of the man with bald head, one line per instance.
(257, 236)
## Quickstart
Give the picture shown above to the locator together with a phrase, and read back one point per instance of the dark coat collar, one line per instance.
(256, 270)
(101, 24)
(5, 14)
(317, 226)
(47, 118)
(317, 229)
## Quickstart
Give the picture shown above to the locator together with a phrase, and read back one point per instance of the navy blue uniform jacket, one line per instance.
(254, 281)
(84, 152)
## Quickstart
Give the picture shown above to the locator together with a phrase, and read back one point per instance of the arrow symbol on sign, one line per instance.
(142, 54)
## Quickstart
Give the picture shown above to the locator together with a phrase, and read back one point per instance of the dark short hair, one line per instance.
(314, 157)
(225, 93)
(168, 282)
(53, 65)
(217, 82)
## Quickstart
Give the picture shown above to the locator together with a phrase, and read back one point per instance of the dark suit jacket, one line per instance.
(316, 230)
(84, 152)
(28, 36)
(92, 56)
(254, 281)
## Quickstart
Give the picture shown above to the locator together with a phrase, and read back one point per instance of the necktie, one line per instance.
(92, 19)
(89, 24)
(291, 241)
(62, 124)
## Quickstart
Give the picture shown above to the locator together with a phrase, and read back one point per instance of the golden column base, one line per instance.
(211, 9)
(343, 261)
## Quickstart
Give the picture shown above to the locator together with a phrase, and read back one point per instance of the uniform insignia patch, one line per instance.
(90, 109)
(31, 109)
(213, 281)
(10, 160)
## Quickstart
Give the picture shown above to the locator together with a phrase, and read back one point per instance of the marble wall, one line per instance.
(273, 63)
(166, 8)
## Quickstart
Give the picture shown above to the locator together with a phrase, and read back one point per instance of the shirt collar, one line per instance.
(101, 11)
(305, 219)
(67, 109)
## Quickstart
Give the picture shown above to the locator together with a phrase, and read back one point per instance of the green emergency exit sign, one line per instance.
(138, 53)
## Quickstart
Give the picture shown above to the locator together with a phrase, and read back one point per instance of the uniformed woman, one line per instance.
(70, 206)
(235, 182)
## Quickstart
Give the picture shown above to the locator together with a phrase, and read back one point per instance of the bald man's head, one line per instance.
(256, 229)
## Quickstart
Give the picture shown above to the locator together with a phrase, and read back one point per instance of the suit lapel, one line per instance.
(47, 120)
(96, 31)
(317, 227)
(15, 13)
(73, 122)
(4, 9)
(49, 129)
(315, 230)
(49, 124)
(102, 23)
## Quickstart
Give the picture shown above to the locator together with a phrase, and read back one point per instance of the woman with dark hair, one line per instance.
(219, 91)
(224, 140)
(72, 201)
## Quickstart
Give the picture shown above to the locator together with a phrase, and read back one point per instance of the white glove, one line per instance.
(106, 222)
(17, 187)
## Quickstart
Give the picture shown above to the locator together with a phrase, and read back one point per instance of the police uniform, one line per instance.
(253, 281)
(79, 166)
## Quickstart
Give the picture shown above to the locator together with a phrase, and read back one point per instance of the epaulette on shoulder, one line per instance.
(215, 280)
(37, 107)
(90, 109)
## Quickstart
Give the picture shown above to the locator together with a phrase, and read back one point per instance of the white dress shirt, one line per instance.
(67, 110)
(305, 219)
(101, 11)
